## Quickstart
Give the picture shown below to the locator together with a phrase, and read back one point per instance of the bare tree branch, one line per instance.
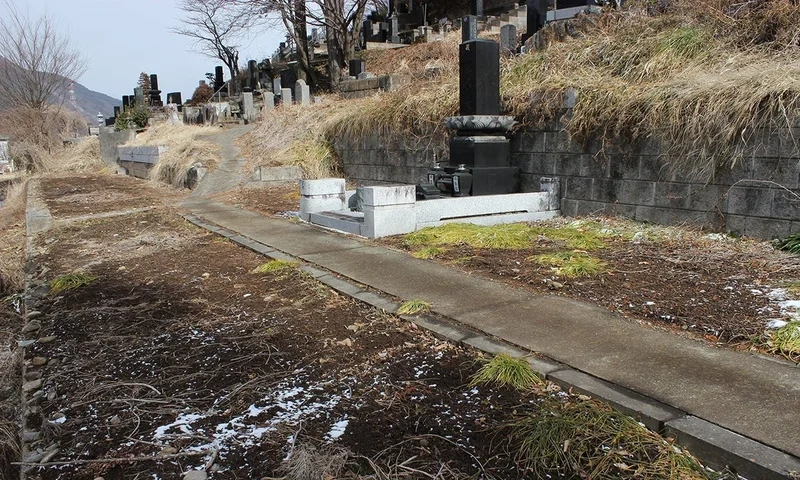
(217, 26)
(40, 62)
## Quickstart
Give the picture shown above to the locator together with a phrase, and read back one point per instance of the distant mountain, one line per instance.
(87, 102)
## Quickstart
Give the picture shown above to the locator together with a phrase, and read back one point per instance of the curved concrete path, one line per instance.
(736, 408)
(231, 170)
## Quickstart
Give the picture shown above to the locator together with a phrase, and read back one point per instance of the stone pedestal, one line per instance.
(388, 210)
(322, 195)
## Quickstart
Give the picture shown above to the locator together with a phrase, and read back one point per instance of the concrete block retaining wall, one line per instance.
(137, 161)
(758, 197)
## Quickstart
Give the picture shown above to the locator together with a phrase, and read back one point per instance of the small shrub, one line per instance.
(791, 243)
(70, 281)
(275, 267)
(507, 371)
(571, 264)
(413, 307)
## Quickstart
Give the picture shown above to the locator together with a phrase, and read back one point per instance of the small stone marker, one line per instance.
(269, 100)
(248, 110)
(394, 30)
(302, 94)
(508, 39)
(276, 85)
(469, 28)
(286, 96)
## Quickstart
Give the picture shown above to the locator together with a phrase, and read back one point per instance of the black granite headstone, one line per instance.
(174, 97)
(218, 78)
(357, 66)
(288, 78)
(537, 15)
(252, 75)
(126, 101)
(117, 111)
(479, 77)
(477, 8)
(155, 93)
(469, 28)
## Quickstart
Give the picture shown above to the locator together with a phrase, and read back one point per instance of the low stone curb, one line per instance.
(717, 447)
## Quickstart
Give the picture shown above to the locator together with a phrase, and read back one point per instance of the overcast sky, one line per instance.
(122, 38)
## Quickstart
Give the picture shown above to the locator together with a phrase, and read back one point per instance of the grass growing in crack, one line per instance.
(10, 450)
(70, 281)
(427, 252)
(571, 264)
(589, 439)
(786, 341)
(412, 307)
(508, 371)
(276, 267)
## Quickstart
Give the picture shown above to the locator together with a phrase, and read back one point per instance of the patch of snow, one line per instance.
(338, 429)
(776, 324)
(649, 304)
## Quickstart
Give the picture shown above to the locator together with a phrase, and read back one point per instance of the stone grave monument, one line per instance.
(480, 159)
(218, 78)
(155, 93)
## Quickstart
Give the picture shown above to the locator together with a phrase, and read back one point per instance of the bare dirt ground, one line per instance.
(178, 357)
(713, 287)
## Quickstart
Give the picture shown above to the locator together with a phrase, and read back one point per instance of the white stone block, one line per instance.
(391, 195)
(286, 96)
(383, 221)
(322, 186)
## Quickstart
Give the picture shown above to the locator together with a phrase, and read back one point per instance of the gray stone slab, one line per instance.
(724, 448)
(378, 301)
(314, 272)
(750, 201)
(638, 193)
(344, 286)
(651, 413)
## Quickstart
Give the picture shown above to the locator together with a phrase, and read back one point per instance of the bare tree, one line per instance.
(217, 26)
(341, 20)
(40, 62)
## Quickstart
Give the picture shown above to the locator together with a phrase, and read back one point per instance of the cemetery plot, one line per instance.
(163, 348)
(722, 289)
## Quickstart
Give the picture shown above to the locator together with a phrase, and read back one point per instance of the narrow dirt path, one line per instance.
(231, 171)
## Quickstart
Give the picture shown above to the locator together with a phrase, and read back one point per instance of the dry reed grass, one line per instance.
(82, 156)
(186, 146)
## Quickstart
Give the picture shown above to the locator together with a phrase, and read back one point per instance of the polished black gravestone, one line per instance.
(357, 67)
(126, 102)
(218, 78)
(469, 28)
(155, 93)
(480, 159)
(174, 97)
(252, 76)
(537, 16)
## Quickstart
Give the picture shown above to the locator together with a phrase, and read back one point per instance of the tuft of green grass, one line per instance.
(412, 307)
(427, 252)
(786, 341)
(507, 371)
(583, 235)
(791, 243)
(70, 281)
(588, 439)
(275, 267)
(571, 264)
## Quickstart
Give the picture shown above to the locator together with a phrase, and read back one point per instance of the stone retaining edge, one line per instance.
(716, 446)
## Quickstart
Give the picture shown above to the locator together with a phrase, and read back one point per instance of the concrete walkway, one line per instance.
(231, 170)
(674, 384)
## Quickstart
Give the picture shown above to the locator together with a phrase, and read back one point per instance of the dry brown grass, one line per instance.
(82, 156)
(12, 238)
(185, 147)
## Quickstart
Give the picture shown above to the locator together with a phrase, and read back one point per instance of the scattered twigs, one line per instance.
(146, 458)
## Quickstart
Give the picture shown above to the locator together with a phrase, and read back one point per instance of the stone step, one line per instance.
(343, 220)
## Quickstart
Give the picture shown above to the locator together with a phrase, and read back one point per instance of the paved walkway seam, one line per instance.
(716, 446)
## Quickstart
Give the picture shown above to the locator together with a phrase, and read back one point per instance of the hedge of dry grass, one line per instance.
(708, 80)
